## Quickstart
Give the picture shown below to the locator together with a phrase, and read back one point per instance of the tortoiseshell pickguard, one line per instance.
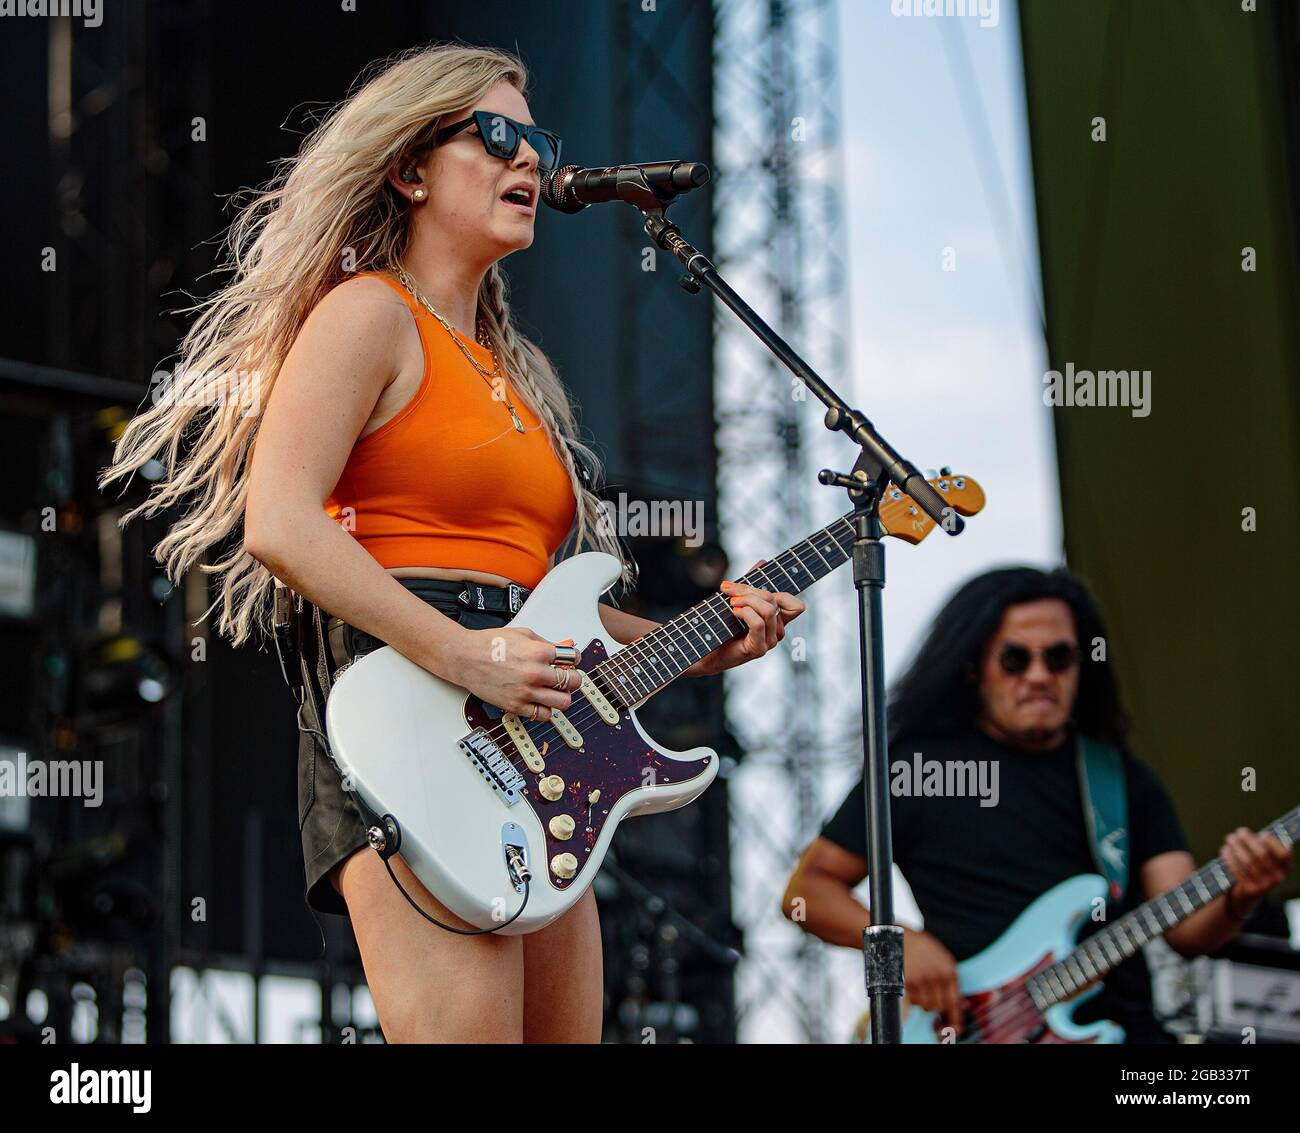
(613, 759)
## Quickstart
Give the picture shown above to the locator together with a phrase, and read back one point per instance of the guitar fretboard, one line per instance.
(1113, 945)
(638, 671)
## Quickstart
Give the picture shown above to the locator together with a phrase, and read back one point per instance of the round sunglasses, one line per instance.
(1016, 659)
(501, 137)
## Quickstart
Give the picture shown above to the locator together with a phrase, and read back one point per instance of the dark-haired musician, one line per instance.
(1005, 679)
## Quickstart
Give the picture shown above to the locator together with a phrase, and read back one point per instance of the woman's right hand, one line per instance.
(514, 669)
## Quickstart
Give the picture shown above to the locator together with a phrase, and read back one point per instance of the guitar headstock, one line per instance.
(903, 519)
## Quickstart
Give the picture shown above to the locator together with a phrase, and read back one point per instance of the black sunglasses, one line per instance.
(501, 137)
(1015, 659)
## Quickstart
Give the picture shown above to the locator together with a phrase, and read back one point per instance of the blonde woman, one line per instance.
(411, 466)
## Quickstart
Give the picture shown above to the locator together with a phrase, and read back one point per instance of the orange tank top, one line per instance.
(450, 481)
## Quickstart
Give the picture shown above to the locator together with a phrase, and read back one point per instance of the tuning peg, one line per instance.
(945, 471)
(931, 474)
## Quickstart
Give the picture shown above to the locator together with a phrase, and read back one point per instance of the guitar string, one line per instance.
(900, 502)
(1025, 1008)
(630, 652)
(1114, 930)
(504, 742)
(499, 733)
(587, 712)
(710, 607)
(1022, 1009)
(1008, 1013)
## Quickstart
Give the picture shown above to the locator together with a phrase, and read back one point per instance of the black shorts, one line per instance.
(330, 823)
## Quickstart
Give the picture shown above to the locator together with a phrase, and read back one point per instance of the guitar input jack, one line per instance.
(518, 867)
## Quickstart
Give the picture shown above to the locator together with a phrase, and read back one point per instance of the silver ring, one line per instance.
(566, 655)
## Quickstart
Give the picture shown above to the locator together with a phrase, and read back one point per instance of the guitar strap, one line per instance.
(1105, 810)
(300, 641)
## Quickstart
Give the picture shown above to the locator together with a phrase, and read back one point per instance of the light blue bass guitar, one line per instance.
(1024, 987)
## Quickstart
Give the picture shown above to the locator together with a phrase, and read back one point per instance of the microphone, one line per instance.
(571, 188)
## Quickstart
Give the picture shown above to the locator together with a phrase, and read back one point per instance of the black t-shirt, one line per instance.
(973, 869)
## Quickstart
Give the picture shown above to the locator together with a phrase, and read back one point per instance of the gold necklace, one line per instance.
(487, 376)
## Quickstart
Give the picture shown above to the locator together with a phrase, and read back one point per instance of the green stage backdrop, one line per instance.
(1142, 238)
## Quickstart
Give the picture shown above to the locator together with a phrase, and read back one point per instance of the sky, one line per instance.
(947, 364)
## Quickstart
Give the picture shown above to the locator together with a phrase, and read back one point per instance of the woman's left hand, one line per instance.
(763, 612)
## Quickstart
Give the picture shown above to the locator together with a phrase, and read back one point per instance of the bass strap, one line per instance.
(1105, 810)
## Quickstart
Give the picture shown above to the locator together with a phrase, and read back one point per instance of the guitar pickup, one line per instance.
(524, 743)
(568, 733)
(597, 700)
(501, 775)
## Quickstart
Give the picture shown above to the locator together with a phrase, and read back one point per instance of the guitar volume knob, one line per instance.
(561, 827)
(564, 866)
(551, 788)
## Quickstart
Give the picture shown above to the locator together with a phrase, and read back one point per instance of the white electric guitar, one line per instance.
(473, 794)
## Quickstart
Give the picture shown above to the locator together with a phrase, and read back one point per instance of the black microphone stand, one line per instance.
(877, 465)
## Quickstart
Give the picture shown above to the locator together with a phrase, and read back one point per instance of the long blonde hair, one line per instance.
(327, 213)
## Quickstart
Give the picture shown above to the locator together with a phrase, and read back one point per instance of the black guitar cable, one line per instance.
(517, 867)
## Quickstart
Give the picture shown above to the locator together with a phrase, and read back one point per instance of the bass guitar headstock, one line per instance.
(903, 519)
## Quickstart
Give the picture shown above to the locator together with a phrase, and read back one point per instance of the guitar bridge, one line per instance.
(497, 770)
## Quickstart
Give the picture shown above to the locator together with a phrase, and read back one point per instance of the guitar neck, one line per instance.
(1113, 945)
(654, 660)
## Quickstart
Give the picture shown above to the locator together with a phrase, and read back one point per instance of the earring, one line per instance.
(419, 195)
